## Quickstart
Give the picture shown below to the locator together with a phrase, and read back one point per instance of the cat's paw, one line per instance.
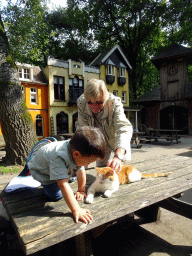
(107, 193)
(89, 199)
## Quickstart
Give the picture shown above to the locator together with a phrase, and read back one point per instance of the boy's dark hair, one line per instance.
(88, 141)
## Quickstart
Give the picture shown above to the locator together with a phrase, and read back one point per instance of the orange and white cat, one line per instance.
(108, 181)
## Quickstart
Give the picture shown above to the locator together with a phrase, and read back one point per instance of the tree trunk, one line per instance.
(16, 122)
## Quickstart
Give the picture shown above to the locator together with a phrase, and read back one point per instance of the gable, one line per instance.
(115, 55)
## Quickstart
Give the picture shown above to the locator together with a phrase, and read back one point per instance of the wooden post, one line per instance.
(83, 244)
(150, 213)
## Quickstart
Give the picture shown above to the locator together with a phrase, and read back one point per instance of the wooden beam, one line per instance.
(177, 206)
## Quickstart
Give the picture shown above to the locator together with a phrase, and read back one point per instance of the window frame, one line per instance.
(115, 93)
(22, 73)
(39, 117)
(122, 72)
(110, 72)
(125, 96)
(59, 86)
(35, 92)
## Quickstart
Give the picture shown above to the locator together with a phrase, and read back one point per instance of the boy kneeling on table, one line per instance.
(51, 164)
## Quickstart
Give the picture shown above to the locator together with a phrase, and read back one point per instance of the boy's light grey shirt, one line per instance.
(51, 162)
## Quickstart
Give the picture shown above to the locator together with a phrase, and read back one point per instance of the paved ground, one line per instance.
(171, 236)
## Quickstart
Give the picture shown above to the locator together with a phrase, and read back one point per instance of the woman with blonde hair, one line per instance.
(99, 108)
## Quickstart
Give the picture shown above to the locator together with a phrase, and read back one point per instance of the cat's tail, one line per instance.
(155, 175)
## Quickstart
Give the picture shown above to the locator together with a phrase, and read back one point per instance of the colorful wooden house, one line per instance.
(51, 94)
(35, 91)
(68, 78)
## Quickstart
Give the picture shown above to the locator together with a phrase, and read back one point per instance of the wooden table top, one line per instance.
(41, 224)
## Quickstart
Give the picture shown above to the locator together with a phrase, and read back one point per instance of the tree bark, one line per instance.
(16, 122)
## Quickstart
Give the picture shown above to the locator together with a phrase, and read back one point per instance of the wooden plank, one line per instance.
(35, 202)
(177, 206)
(111, 208)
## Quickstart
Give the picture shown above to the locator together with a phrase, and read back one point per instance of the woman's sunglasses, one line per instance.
(96, 102)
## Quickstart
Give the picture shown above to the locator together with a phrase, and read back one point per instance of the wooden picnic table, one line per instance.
(167, 134)
(41, 224)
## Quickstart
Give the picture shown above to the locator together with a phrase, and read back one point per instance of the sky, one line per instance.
(53, 3)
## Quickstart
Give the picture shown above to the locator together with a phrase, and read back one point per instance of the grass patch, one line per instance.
(10, 169)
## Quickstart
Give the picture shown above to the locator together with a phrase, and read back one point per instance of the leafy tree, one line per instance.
(134, 25)
(28, 32)
(16, 123)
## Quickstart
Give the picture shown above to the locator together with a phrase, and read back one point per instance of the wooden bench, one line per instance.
(164, 137)
(166, 134)
(41, 224)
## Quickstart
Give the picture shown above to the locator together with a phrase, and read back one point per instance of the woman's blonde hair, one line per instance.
(95, 88)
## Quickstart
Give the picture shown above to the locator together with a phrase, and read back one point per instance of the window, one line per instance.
(59, 92)
(39, 125)
(62, 123)
(121, 72)
(76, 82)
(115, 93)
(76, 86)
(124, 98)
(24, 73)
(33, 95)
(110, 70)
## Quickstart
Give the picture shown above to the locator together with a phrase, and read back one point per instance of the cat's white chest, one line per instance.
(105, 186)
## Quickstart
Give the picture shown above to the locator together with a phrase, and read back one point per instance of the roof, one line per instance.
(152, 95)
(155, 94)
(38, 76)
(174, 50)
(103, 57)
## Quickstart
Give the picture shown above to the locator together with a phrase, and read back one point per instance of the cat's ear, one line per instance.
(97, 169)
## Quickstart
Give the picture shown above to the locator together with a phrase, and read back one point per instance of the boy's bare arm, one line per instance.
(78, 212)
(81, 179)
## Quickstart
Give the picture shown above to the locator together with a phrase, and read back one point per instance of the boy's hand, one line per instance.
(82, 214)
(80, 196)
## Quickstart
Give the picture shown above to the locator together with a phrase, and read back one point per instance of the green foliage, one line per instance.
(26, 115)
(28, 32)
(86, 28)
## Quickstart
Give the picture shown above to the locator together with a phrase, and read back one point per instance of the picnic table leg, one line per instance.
(83, 245)
(150, 213)
(137, 141)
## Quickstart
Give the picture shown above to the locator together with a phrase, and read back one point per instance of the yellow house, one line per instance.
(35, 92)
(114, 68)
(66, 83)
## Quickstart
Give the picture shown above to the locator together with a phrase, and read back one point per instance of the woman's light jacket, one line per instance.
(116, 127)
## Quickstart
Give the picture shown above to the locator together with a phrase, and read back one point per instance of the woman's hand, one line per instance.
(115, 164)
